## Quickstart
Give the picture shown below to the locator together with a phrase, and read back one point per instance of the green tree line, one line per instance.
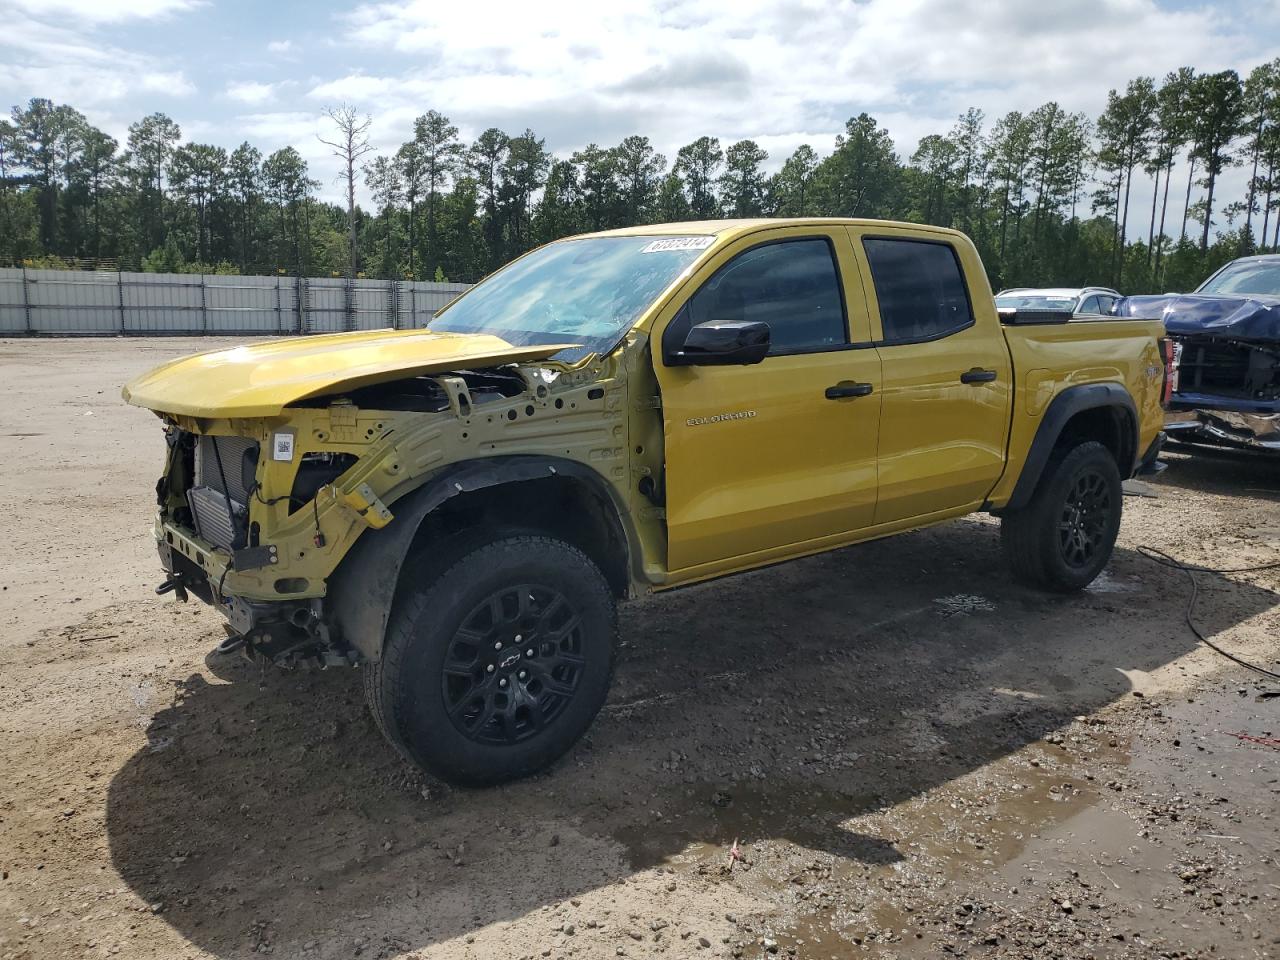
(1047, 195)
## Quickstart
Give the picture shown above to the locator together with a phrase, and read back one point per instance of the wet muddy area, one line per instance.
(1163, 843)
(887, 751)
(1150, 832)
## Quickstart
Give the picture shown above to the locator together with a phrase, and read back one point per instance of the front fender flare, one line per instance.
(362, 590)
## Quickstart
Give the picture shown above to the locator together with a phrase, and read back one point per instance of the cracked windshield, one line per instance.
(582, 292)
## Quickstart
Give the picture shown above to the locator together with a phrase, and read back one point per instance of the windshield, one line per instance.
(586, 292)
(1020, 302)
(1258, 276)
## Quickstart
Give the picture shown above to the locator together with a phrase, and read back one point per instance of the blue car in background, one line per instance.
(1227, 355)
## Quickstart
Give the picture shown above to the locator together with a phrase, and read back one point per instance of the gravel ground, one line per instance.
(912, 756)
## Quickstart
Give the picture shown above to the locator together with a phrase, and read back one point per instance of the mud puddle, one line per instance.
(1110, 836)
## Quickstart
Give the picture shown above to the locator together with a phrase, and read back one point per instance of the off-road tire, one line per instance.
(408, 689)
(1042, 541)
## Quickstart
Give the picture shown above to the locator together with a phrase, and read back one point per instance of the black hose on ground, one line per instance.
(1162, 558)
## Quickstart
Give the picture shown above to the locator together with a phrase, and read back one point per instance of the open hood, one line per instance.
(261, 379)
(1236, 317)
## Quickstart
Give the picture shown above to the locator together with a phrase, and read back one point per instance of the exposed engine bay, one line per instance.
(255, 513)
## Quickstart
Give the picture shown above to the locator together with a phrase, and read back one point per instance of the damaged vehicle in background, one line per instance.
(1227, 353)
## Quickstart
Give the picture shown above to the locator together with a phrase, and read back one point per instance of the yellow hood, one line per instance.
(260, 379)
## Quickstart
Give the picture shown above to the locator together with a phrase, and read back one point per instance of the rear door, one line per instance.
(761, 459)
(947, 376)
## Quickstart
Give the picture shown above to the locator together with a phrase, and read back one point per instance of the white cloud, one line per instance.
(174, 83)
(73, 63)
(776, 71)
(281, 128)
(783, 72)
(104, 11)
(355, 88)
(59, 63)
(251, 92)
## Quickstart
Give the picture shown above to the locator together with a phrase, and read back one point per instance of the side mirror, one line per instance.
(723, 342)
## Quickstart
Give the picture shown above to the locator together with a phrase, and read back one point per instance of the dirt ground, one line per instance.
(914, 756)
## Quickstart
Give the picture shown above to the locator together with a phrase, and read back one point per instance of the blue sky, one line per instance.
(783, 72)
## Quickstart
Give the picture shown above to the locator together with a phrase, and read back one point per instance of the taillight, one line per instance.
(1169, 350)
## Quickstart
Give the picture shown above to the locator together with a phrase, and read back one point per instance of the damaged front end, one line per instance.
(1247, 431)
(259, 513)
(244, 522)
(1227, 359)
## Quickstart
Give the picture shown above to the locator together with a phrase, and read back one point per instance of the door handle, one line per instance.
(977, 375)
(846, 389)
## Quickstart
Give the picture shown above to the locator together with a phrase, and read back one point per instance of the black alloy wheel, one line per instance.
(1063, 537)
(497, 657)
(1086, 517)
(514, 665)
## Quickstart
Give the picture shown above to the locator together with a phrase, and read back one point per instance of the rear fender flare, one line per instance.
(1068, 403)
(362, 590)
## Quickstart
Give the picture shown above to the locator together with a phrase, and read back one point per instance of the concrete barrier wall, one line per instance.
(70, 302)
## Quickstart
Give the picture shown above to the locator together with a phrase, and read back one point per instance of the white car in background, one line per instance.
(1080, 301)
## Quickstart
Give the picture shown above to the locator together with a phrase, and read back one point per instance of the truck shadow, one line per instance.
(266, 809)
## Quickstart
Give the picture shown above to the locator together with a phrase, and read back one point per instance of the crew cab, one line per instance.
(460, 509)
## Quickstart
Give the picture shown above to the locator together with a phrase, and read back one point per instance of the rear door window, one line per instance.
(920, 289)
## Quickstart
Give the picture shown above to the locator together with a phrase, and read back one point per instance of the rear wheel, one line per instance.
(495, 667)
(1064, 537)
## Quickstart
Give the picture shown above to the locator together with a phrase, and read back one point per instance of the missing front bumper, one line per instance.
(288, 633)
(1227, 428)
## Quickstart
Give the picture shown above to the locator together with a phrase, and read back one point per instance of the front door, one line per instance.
(765, 458)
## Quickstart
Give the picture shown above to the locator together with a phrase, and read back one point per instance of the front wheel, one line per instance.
(1064, 537)
(495, 668)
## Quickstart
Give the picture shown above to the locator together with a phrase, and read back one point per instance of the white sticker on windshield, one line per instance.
(679, 243)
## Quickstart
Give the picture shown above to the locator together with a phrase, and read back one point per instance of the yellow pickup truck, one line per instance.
(459, 509)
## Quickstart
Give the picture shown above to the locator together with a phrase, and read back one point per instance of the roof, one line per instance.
(1258, 257)
(726, 228)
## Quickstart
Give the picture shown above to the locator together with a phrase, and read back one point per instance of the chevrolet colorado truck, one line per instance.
(1226, 337)
(459, 509)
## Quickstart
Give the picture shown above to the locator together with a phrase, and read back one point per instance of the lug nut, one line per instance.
(489, 668)
(522, 674)
(502, 682)
(519, 637)
(529, 652)
(498, 645)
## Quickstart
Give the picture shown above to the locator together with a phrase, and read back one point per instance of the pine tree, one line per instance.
(640, 170)
(1125, 130)
(698, 167)
(440, 151)
(742, 185)
(1262, 102)
(1217, 110)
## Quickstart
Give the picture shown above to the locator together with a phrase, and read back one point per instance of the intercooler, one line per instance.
(219, 497)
